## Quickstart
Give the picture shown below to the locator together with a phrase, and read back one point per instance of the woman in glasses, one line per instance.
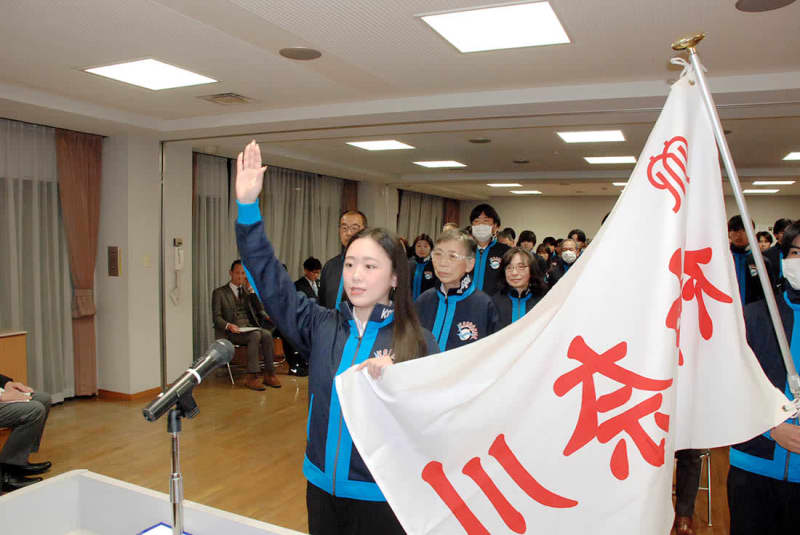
(522, 287)
(456, 312)
(375, 325)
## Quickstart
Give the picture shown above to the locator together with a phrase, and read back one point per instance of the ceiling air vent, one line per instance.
(227, 99)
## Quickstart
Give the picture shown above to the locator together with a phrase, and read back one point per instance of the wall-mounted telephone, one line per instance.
(178, 264)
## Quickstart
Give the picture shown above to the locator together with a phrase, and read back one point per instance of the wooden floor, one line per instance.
(242, 454)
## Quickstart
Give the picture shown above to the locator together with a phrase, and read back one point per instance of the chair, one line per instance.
(5, 432)
(240, 356)
(705, 458)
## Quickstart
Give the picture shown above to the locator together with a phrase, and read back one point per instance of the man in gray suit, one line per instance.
(25, 411)
(240, 317)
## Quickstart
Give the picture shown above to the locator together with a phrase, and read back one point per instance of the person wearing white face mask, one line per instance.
(569, 254)
(764, 478)
(486, 276)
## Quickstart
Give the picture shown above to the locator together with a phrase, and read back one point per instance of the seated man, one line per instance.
(240, 317)
(309, 282)
(25, 411)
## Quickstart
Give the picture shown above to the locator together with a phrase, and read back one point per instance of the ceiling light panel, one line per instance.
(792, 156)
(385, 144)
(773, 182)
(441, 163)
(527, 192)
(756, 191)
(605, 160)
(509, 185)
(620, 184)
(151, 74)
(495, 28)
(594, 136)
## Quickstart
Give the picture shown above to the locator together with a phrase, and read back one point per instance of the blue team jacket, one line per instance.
(459, 317)
(762, 455)
(331, 339)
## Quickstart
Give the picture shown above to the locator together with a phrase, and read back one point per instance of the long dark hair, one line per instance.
(536, 284)
(408, 341)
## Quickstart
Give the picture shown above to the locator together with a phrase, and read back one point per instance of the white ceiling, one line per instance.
(385, 74)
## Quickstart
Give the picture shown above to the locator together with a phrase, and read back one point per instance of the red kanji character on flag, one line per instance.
(668, 169)
(434, 475)
(695, 286)
(629, 421)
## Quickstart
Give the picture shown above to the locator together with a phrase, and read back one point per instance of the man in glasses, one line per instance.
(330, 282)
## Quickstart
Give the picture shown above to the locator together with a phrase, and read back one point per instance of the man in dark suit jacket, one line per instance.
(351, 223)
(240, 317)
(309, 282)
(25, 411)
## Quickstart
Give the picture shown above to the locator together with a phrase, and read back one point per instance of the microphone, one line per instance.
(220, 352)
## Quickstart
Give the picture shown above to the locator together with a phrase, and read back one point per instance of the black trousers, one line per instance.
(760, 504)
(687, 479)
(331, 515)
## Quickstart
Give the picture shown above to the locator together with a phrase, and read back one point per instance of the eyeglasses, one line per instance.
(438, 255)
(519, 268)
(350, 228)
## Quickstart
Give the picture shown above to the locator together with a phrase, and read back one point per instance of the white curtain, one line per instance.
(301, 214)
(35, 285)
(214, 242)
(419, 213)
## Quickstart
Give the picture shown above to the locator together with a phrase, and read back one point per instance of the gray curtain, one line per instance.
(301, 214)
(35, 284)
(213, 242)
(419, 213)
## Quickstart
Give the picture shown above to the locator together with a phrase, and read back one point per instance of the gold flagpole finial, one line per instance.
(688, 43)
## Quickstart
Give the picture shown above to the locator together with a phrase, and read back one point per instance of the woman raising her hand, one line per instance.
(377, 320)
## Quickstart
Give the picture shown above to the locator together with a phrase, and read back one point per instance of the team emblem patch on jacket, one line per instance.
(466, 330)
(494, 262)
(428, 275)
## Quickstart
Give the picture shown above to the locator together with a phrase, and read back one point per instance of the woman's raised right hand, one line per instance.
(249, 174)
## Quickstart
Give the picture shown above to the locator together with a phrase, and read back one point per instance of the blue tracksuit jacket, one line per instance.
(458, 318)
(332, 341)
(762, 455)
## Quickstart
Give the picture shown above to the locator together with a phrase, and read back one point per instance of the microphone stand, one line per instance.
(186, 407)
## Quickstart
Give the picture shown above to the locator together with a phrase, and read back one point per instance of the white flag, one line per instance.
(566, 421)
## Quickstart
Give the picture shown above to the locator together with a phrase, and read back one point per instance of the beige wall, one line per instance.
(178, 224)
(128, 335)
(555, 216)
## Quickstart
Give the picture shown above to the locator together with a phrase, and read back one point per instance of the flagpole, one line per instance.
(689, 43)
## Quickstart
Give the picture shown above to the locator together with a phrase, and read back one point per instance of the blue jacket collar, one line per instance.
(466, 282)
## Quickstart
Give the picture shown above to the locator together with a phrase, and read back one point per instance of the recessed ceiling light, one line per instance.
(441, 163)
(300, 53)
(792, 156)
(509, 185)
(761, 191)
(152, 74)
(609, 159)
(495, 28)
(526, 192)
(384, 144)
(773, 182)
(593, 136)
(480, 140)
(621, 184)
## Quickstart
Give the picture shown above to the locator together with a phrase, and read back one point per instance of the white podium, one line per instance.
(83, 503)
